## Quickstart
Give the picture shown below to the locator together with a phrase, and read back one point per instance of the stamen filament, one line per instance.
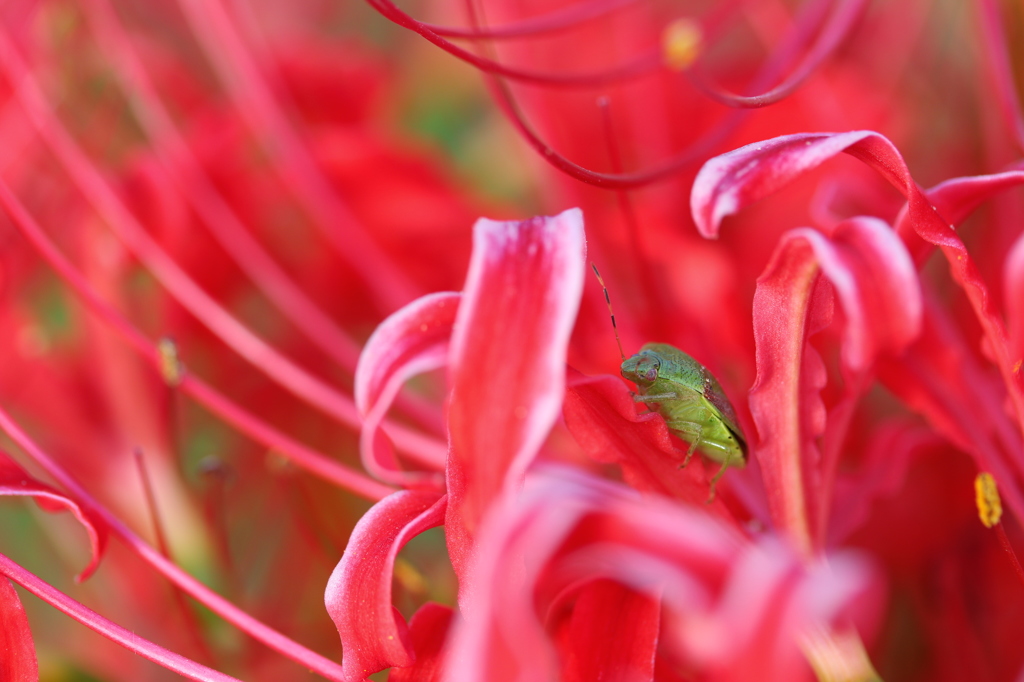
(191, 621)
(112, 631)
(226, 50)
(200, 592)
(305, 457)
(555, 20)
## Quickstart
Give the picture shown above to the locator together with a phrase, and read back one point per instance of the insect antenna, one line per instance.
(611, 312)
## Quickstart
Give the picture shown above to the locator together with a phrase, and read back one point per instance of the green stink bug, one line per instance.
(688, 396)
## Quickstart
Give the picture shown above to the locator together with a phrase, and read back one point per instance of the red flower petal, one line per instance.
(14, 481)
(730, 606)
(728, 182)
(585, 636)
(874, 279)
(877, 283)
(428, 630)
(358, 596)
(503, 637)
(17, 650)
(731, 181)
(955, 199)
(409, 342)
(507, 369)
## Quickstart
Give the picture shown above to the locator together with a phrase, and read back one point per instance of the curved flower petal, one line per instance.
(507, 368)
(877, 283)
(411, 341)
(873, 277)
(503, 637)
(731, 181)
(602, 417)
(428, 631)
(728, 182)
(770, 602)
(358, 596)
(15, 481)
(955, 199)
(729, 605)
(18, 662)
(585, 636)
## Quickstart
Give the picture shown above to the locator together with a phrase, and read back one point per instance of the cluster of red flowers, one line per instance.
(262, 346)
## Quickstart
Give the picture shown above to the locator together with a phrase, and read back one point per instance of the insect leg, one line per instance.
(655, 398)
(693, 432)
(725, 465)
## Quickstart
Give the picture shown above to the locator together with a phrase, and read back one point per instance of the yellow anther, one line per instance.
(990, 508)
(681, 44)
(170, 364)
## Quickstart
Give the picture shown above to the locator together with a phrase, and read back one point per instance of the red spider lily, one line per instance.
(552, 565)
(221, 175)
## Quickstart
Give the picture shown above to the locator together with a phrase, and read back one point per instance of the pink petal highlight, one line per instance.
(411, 341)
(14, 481)
(18, 659)
(507, 368)
(358, 596)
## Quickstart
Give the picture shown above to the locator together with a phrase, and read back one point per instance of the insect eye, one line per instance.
(651, 374)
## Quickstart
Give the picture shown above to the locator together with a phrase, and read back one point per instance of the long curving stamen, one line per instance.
(829, 38)
(194, 183)
(838, 26)
(647, 62)
(128, 639)
(200, 592)
(149, 494)
(259, 108)
(315, 462)
(185, 172)
(555, 20)
(994, 48)
(183, 288)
